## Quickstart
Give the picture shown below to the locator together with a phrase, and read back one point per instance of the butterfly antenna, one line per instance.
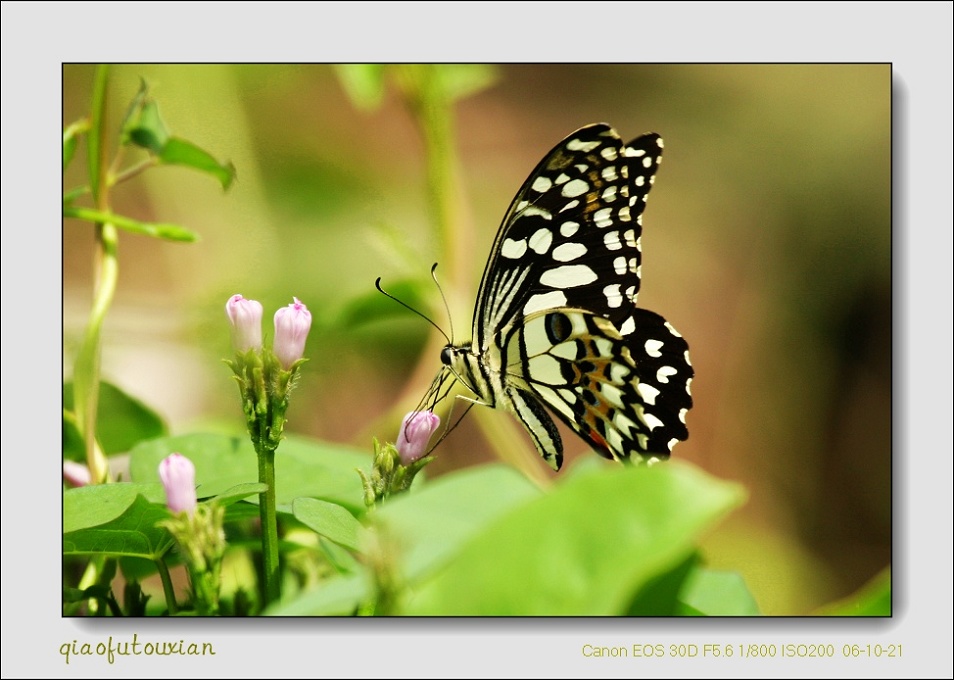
(377, 284)
(450, 320)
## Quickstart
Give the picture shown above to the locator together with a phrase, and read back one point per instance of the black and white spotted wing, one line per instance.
(556, 321)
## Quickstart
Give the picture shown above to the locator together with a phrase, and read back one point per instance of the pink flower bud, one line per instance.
(76, 474)
(416, 430)
(292, 324)
(178, 477)
(246, 319)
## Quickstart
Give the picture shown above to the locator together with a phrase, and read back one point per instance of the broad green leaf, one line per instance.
(584, 549)
(716, 593)
(363, 83)
(90, 506)
(874, 599)
(429, 526)
(121, 421)
(335, 597)
(169, 232)
(236, 512)
(180, 152)
(302, 467)
(329, 520)
(660, 595)
(141, 568)
(133, 534)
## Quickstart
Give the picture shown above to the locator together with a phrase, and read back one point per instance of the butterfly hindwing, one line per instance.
(625, 399)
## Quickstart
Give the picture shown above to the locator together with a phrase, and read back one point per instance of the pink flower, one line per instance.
(76, 474)
(246, 319)
(416, 430)
(178, 478)
(292, 324)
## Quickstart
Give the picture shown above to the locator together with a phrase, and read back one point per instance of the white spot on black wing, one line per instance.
(574, 188)
(568, 276)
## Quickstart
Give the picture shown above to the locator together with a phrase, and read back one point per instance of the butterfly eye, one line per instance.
(446, 356)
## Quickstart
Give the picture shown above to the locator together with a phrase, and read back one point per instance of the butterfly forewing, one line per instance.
(571, 237)
(556, 320)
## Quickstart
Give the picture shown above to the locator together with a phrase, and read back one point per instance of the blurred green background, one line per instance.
(767, 243)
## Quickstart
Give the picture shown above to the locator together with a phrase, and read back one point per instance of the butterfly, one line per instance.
(556, 329)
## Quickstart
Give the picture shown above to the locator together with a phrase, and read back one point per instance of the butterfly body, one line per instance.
(556, 321)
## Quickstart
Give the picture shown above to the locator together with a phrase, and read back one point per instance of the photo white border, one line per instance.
(39, 37)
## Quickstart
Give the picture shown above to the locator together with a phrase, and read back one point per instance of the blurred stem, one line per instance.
(131, 172)
(269, 517)
(106, 266)
(91, 576)
(431, 108)
(167, 589)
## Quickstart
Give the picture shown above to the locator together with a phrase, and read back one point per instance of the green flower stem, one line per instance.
(133, 171)
(86, 369)
(167, 589)
(431, 105)
(258, 376)
(266, 506)
(171, 232)
(96, 159)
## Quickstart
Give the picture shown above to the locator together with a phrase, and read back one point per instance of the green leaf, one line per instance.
(121, 422)
(240, 492)
(180, 152)
(363, 83)
(874, 599)
(716, 593)
(431, 525)
(133, 534)
(302, 467)
(329, 520)
(335, 597)
(660, 595)
(243, 510)
(74, 448)
(584, 549)
(70, 135)
(343, 561)
(90, 506)
(72, 195)
(170, 232)
(139, 568)
(144, 127)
